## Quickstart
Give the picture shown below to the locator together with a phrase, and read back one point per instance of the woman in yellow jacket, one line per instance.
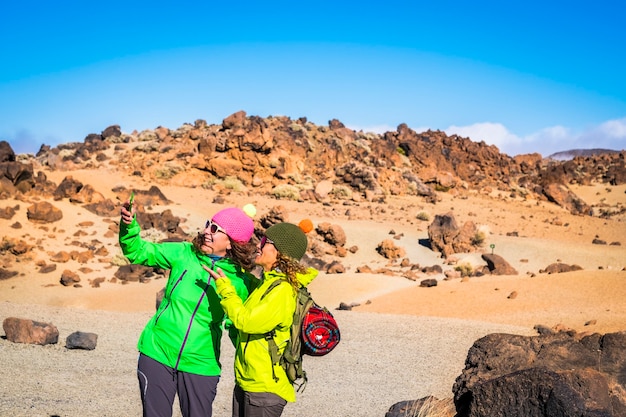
(262, 388)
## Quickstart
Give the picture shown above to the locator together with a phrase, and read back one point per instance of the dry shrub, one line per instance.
(433, 407)
(465, 269)
(423, 216)
(479, 239)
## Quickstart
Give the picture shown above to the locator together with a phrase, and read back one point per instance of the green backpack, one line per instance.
(314, 332)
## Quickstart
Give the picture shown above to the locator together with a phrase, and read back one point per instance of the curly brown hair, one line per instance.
(290, 267)
(241, 253)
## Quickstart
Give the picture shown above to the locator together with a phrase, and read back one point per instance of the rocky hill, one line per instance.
(296, 159)
(572, 153)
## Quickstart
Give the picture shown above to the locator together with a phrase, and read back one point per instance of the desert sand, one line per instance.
(400, 341)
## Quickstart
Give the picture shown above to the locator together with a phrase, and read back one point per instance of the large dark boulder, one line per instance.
(496, 265)
(554, 375)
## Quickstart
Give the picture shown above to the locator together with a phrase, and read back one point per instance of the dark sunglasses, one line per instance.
(213, 227)
(264, 241)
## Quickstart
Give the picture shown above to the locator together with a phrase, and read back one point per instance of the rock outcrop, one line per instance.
(296, 158)
(560, 374)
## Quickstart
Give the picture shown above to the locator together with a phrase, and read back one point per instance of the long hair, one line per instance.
(290, 267)
(241, 253)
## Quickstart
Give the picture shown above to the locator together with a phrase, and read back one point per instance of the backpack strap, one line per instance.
(269, 336)
(272, 286)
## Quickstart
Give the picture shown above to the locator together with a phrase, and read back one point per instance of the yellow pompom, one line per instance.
(306, 225)
(250, 210)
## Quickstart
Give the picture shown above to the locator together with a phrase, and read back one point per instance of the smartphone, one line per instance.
(130, 201)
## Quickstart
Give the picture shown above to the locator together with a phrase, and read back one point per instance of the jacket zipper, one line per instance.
(245, 348)
(191, 320)
(182, 346)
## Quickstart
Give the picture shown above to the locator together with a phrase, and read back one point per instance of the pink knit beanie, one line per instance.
(237, 224)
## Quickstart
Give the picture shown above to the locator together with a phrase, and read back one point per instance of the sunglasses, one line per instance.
(264, 241)
(213, 227)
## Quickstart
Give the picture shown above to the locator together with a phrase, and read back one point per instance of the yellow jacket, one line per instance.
(254, 318)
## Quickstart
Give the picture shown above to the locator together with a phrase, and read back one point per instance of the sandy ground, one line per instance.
(591, 300)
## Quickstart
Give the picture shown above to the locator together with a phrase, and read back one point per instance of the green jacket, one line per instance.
(254, 318)
(185, 332)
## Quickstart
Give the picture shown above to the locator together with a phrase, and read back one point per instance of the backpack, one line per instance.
(314, 332)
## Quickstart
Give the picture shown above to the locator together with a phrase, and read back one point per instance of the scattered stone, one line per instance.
(431, 282)
(61, 257)
(43, 212)
(323, 188)
(47, 268)
(69, 278)
(432, 270)
(20, 330)
(335, 268)
(452, 274)
(559, 267)
(497, 265)
(512, 296)
(95, 283)
(6, 274)
(332, 234)
(389, 250)
(81, 340)
(410, 275)
(7, 212)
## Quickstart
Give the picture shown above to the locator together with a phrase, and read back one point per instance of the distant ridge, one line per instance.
(572, 153)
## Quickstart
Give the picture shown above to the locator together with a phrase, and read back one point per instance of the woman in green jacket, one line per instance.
(262, 388)
(180, 346)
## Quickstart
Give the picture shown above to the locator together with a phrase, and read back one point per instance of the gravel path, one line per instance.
(382, 359)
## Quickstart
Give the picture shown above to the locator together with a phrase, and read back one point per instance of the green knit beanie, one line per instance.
(289, 239)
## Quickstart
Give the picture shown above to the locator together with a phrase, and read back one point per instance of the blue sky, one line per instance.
(533, 76)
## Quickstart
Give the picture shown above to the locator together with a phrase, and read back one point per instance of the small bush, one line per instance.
(342, 192)
(119, 259)
(231, 183)
(423, 216)
(286, 192)
(465, 269)
(478, 239)
(432, 407)
(167, 172)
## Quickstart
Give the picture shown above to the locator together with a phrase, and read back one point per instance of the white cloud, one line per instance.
(491, 133)
(614, 129)
(608, 135)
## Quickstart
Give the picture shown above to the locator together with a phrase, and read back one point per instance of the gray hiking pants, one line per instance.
(159, 384)
(256, 404)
